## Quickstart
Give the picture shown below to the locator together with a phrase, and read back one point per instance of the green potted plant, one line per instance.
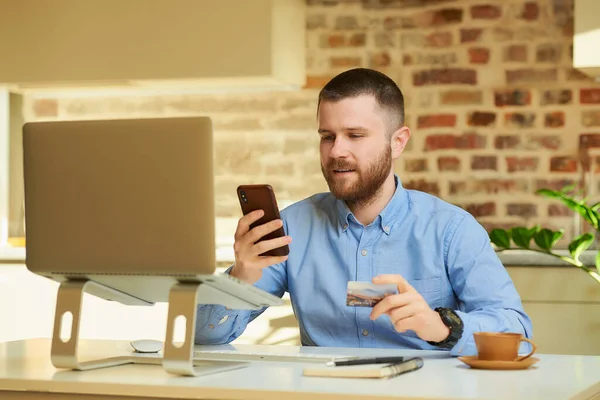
(544, 240)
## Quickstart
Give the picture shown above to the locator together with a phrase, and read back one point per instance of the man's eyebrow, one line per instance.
(324, 131)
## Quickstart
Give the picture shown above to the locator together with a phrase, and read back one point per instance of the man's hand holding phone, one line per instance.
(248, 248)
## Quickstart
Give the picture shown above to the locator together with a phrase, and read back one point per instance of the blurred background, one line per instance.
(502, 97)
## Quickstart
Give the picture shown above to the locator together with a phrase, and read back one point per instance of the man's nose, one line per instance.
(339, 149)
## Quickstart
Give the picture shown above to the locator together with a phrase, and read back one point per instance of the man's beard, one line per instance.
(366, 184)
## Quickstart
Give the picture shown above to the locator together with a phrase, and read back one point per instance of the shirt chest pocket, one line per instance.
(430, 289)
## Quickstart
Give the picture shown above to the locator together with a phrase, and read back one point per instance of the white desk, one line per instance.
(26, 373)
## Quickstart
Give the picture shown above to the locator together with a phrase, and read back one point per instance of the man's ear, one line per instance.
(399, 141)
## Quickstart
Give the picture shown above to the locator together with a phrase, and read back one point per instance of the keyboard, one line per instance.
(268, 356)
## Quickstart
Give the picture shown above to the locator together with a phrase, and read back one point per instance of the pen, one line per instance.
(363, 361)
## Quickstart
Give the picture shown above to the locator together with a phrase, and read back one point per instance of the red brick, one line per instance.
(345, 62)
(507, 142)
(563, 164)
(515, 53)
(423, 186)
(548, 52)
(449, 141)
(549, 142)
(316, 21)
(480, 118)
(481, 209)
(521, 210)
(448, 164)
(512, 98)
(344, 22)
(590, 118)
(439, 39)
(335, 40)
(484, 163)
(316, 82)
(357, 40)
(554, 184)
(461, 97)
(485, 12)
(445, 76)
(519, 120)
(415, 165)
(530, 11)
(554, 119)
(589, 96)
(489, 186)
(520, 164)
(556, 97)
(558, 210)
(589, 140)
(479, 55)
(470, 35)
(385, 39)
(339, 40)
(446, 16)
(531, 75)
(381, 59)
(436, 120)
(45, 107)
(398, 22)
(530, 142)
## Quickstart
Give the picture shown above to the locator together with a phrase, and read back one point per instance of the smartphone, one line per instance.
(262, 197)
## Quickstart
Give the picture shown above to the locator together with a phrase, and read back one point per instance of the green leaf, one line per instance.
(522, 236)
(569, 188)
(596, 206)
(598, 261)
(592, 217)
(546, 238)
(579, 244)
(500, 238)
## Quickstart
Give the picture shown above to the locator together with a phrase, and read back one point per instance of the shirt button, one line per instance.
(364, 252)
(365, 332)
(386, 229)
(345, 226)
(211, 326)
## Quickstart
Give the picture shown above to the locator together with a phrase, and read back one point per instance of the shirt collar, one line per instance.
(386, 218)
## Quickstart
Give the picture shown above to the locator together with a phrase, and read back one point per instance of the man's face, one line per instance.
(356, 156)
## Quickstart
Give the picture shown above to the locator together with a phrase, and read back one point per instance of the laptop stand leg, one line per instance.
(179, 357)
(68, 310)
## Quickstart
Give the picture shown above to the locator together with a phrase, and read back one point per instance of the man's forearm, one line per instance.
(216, 324)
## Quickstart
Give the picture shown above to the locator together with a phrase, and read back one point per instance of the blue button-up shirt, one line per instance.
(440, 249)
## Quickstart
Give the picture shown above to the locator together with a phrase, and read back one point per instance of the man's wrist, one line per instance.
(455, 326)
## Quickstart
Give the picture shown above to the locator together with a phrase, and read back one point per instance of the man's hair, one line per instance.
(364, 81)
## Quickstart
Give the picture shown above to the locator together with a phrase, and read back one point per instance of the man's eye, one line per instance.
(355, 136)
(326, 137)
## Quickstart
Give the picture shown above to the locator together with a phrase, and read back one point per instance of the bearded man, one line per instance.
(369, 228)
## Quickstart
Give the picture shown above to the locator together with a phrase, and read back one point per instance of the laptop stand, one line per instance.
(178, 357)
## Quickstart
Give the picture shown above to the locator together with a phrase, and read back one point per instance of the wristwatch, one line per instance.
(454, 323)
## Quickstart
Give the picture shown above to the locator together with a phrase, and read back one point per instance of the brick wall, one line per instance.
(496, 109)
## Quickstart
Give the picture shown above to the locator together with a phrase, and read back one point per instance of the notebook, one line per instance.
(366, 371)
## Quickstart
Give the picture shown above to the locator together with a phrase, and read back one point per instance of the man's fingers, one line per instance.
(403, 285)
(266, 245)
(258, 232)
(244, 223)
(398, 314)
(406, 324)
(390, 302)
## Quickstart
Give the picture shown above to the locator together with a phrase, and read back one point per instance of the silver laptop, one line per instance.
(128, 204)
